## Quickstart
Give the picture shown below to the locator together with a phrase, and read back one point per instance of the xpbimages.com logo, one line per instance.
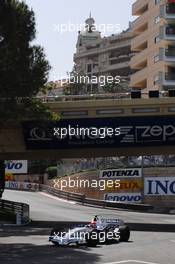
(83, 132)
(81, 183)
(75, 27)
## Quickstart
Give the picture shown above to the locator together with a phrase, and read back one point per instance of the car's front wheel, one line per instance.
(56, 244)
(124, 233)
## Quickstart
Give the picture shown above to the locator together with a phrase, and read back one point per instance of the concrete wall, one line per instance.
(12, 145)
(96, 193)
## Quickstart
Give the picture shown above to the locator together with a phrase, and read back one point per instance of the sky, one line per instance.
(54, 15)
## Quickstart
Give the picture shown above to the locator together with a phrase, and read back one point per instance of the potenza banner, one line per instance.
(123, 197)
(101, 132)
(120, 173)
(16, 166)
(159, 186)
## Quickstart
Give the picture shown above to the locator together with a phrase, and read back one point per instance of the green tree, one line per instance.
(76, 83)
(122, 87)
(24, 68)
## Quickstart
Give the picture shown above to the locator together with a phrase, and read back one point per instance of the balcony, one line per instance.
(170, 55)
(170, 52)
(167, 32)
(118, 65)
(168, 12)
(138, 58)
(139, 7)
(167, 79)
(170, 77)
(139, 42)
(122, 44)
(138, 79)
(167, 54)
(141, 23)
(119, 59)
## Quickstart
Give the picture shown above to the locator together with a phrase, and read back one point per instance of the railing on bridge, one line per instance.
(106, 96)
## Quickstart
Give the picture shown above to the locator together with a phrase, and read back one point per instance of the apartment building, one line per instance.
(102, 56)
(154, 45)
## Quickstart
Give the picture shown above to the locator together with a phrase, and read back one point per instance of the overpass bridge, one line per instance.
(147, 128)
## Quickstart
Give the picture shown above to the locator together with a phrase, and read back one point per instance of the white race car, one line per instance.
(100, 230)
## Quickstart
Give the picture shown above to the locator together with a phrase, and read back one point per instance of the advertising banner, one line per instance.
(130, 185)
(22, 186)
(159, 186)
(16, 166)
(120, 173)
(123, 197)
(101, 132)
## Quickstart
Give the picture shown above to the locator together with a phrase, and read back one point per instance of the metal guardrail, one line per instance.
(109, 96)
(21, 210)
(102, 203)
(63, 98)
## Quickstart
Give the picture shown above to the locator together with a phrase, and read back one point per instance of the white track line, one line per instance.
(132, 261)
(56, 198)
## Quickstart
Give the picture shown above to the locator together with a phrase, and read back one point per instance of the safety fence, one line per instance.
(20, 210)
(101, 203)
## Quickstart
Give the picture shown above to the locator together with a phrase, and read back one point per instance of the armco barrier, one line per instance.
(102, 203)
(21, 210)
(63, 194)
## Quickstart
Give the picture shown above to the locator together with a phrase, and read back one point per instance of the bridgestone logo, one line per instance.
(120, 173)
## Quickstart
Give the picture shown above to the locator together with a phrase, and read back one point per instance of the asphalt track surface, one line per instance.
(30, 244)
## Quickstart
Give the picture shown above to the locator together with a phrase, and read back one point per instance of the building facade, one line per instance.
(102, 56)
(154, 45)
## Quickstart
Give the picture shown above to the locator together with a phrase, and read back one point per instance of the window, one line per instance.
(156, 58)
(157, 39)
(157, 2)
(157, 19)
(156, 79)
(89, 68)
(170, 30)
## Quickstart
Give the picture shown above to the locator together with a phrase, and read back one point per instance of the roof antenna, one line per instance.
(90, 15)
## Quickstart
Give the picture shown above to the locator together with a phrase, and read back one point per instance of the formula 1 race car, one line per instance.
(99, 230)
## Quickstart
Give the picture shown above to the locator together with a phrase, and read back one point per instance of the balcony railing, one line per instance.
(170, 30)
(170, 8)
(170, 76)
(118, 60)
(170, 52)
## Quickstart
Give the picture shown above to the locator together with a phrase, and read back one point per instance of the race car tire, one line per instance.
(124, 233)
(91, 242)
(56, 244)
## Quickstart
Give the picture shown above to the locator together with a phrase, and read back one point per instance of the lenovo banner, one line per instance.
(123, 197)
